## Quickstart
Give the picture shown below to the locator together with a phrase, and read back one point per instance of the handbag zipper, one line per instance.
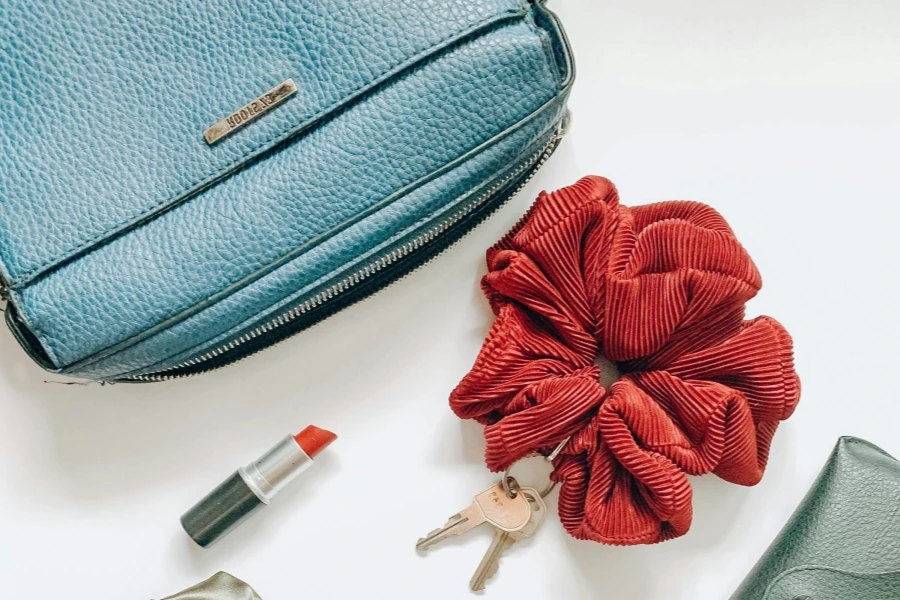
(4, 294)
(525, 170)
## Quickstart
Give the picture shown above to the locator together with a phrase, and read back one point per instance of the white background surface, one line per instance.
(782, 115)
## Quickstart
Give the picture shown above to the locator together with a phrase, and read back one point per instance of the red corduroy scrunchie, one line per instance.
(660, 290)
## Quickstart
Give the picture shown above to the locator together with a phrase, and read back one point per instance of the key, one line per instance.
(490, 506)
(503, 540)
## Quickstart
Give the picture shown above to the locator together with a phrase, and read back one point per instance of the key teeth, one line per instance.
(489, 575)
(422, 544)
(506, 546)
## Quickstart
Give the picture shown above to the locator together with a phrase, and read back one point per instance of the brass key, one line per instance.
(493, 506)
(503, 540)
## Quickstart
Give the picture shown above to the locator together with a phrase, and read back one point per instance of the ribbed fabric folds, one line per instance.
(660, 290)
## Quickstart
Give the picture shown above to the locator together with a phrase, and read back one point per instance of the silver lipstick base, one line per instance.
(275, 469)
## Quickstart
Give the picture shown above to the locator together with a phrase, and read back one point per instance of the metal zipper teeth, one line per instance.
(534, 162)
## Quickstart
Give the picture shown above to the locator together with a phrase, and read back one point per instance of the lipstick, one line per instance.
(252, 487)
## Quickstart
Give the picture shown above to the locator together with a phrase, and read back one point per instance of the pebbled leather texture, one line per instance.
(129, 243)
(843, 541)
(107, 101)
(302, 277)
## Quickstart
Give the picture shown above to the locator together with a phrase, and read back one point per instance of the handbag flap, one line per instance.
(104, 104)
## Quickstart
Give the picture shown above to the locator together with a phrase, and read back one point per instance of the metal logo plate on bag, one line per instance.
(251, 111)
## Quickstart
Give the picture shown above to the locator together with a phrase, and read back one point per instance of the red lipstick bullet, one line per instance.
(252, 487)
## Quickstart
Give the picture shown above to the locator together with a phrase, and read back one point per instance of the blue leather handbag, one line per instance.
(186, 182)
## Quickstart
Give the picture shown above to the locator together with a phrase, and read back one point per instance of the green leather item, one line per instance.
(843, 542)
(220, 586)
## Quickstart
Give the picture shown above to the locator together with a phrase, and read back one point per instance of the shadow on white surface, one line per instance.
(634, 572)
(259, 528)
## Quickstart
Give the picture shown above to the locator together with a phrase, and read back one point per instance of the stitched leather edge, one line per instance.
(31, 275)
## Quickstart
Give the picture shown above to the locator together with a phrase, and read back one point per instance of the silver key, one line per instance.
(503, 540)
(490, 506)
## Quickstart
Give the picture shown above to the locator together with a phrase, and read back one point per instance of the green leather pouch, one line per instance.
(843, 542)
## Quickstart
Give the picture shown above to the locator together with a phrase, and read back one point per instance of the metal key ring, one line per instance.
(511, 486)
